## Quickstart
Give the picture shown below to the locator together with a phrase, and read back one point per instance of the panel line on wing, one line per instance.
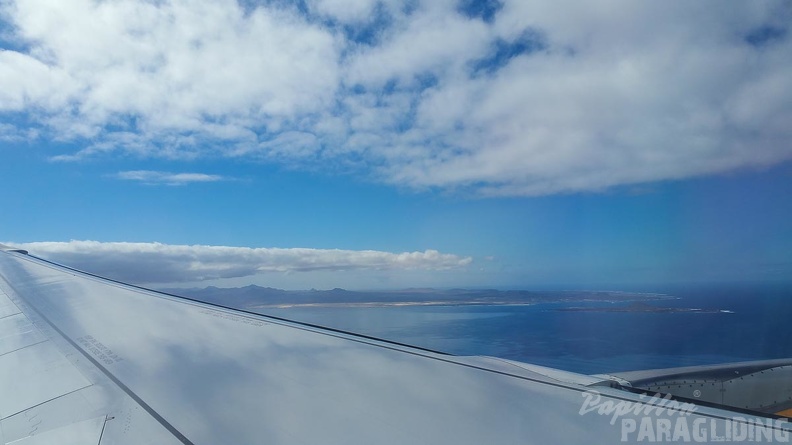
(104, 425)
(23, 347)
(44, 402)
(10, 315)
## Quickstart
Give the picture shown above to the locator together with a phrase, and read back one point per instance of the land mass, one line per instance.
(253, 297)
(643, 307)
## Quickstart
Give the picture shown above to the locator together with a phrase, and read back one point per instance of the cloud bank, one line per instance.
(503, 97)
(152, 263)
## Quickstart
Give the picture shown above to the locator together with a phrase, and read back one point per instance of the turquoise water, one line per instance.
(587, 342)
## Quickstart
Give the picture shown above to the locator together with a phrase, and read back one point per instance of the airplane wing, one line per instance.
(87, 360)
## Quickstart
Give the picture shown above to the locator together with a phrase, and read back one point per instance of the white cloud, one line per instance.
(10, 133)
(147, 263)
(610, 93)
(434, 41)
(167, 178)
(173, 66)
(345, 11)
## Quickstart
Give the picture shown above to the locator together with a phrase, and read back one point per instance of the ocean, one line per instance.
(738, 323)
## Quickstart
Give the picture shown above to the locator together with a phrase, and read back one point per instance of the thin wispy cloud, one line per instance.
(147, 263)
(166, 178)
(495, 98)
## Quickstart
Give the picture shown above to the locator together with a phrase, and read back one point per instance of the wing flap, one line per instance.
(761, 386)
(75, 407)
(86, 432)
(34, 375)
(17, 332)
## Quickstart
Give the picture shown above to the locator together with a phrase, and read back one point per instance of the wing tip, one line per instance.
(5, 248)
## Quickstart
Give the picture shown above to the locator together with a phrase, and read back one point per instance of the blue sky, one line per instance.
(381, 144)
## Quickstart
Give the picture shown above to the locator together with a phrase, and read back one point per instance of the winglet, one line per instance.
(4, 248)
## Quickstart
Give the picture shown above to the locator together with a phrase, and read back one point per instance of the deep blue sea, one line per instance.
(758, 327)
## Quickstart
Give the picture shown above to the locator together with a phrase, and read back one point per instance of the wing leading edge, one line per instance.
(129, 365)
